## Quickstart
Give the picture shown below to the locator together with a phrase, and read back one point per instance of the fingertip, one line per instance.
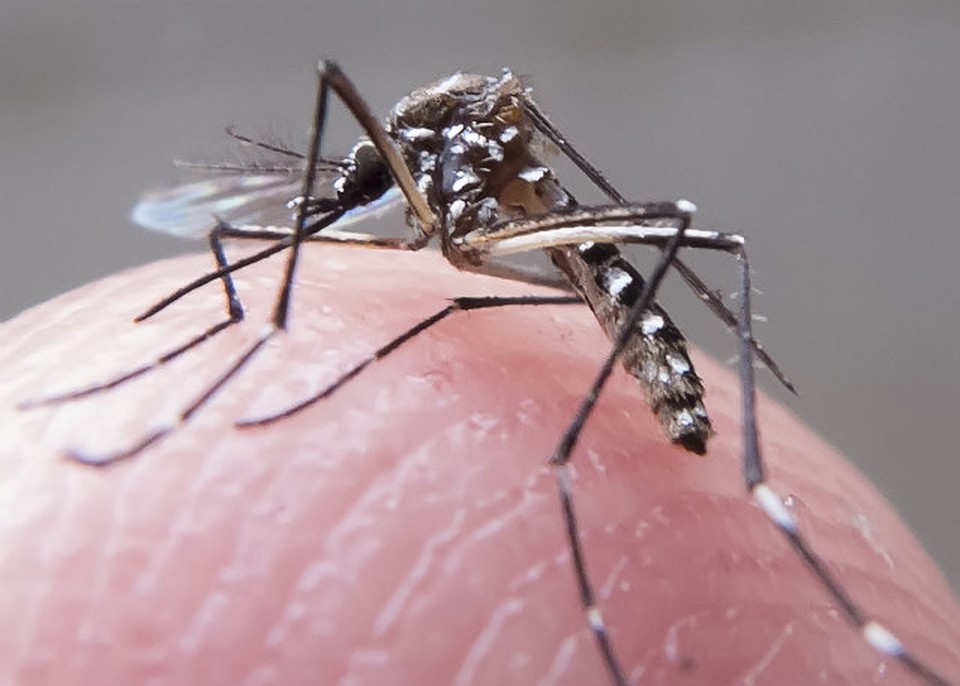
(406, 529)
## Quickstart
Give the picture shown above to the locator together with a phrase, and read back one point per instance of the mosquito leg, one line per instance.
(562, 227)
(234, 306)
(637, 223)
(715, 305)
(284, 240)
(263, 145)
(543, 124)
(329, 78)
(333, 76)
(648, 223)
(281, 309)
(561, 456)
(234, 315)
(213, 276)
(873, 632)
(463, 304)
(105, 459)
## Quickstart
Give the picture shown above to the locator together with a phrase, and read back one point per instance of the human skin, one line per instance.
(407, 529)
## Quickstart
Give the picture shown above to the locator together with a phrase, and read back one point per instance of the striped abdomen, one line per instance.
(656, 354)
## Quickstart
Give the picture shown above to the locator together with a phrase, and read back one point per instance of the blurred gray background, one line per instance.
(828, 132)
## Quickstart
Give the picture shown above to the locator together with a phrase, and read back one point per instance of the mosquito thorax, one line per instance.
(470, 147)
(365, 176)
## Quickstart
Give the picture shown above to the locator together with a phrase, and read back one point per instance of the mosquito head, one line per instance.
(365, 176)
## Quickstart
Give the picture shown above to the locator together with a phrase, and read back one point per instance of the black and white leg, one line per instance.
(875, 633)
(716, 305)
(281, 308)
(568, 228)
(560, 459)
(330, 78)
(235, 315)
(283, 240)
(462, 304)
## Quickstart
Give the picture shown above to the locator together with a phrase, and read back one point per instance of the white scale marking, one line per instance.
(595, 618)
(417, 134)
(533, 174)
(474, 139)
(882, 639)
(456, 209)
(617, 281)
(651, 323)
(678, 364)
(494, 151)
(509, 134)
(464, 180)
(628, 233)
(452, 132)
(773, 506)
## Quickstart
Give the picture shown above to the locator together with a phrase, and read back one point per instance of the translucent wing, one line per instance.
(262, 199)
(190, 210)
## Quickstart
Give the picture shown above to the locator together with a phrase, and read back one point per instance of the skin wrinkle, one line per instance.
(606, 587)
(528, 575)
(160, 564)
(347, 523)
(177, 468)
(513, 604)
(671, 635)
(110, 548)
(406, 470)
(246, 558)
(503, 522)
(418, 572)
(863, 525)
(486, 638)
(203, 623)
(385, 489)
(380, 490)
(861, 571)
(28, 625)
(496, 524)
(245, 549)
(363, 657)
(62, 549)
(192, 637)
(767, 658)
(163, 564)
(561, 659)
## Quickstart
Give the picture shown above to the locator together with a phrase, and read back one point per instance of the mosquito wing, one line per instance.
(260, 199)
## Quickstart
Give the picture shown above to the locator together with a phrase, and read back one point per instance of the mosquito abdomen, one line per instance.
(656, 354)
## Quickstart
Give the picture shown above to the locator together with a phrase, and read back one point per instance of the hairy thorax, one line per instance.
(474, 153)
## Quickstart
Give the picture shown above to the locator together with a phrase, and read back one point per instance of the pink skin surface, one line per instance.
(407, 530)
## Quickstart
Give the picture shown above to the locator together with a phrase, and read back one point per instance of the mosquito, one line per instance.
(463, 156)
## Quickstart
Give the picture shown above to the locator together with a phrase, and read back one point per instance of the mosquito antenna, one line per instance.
(270, 147)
